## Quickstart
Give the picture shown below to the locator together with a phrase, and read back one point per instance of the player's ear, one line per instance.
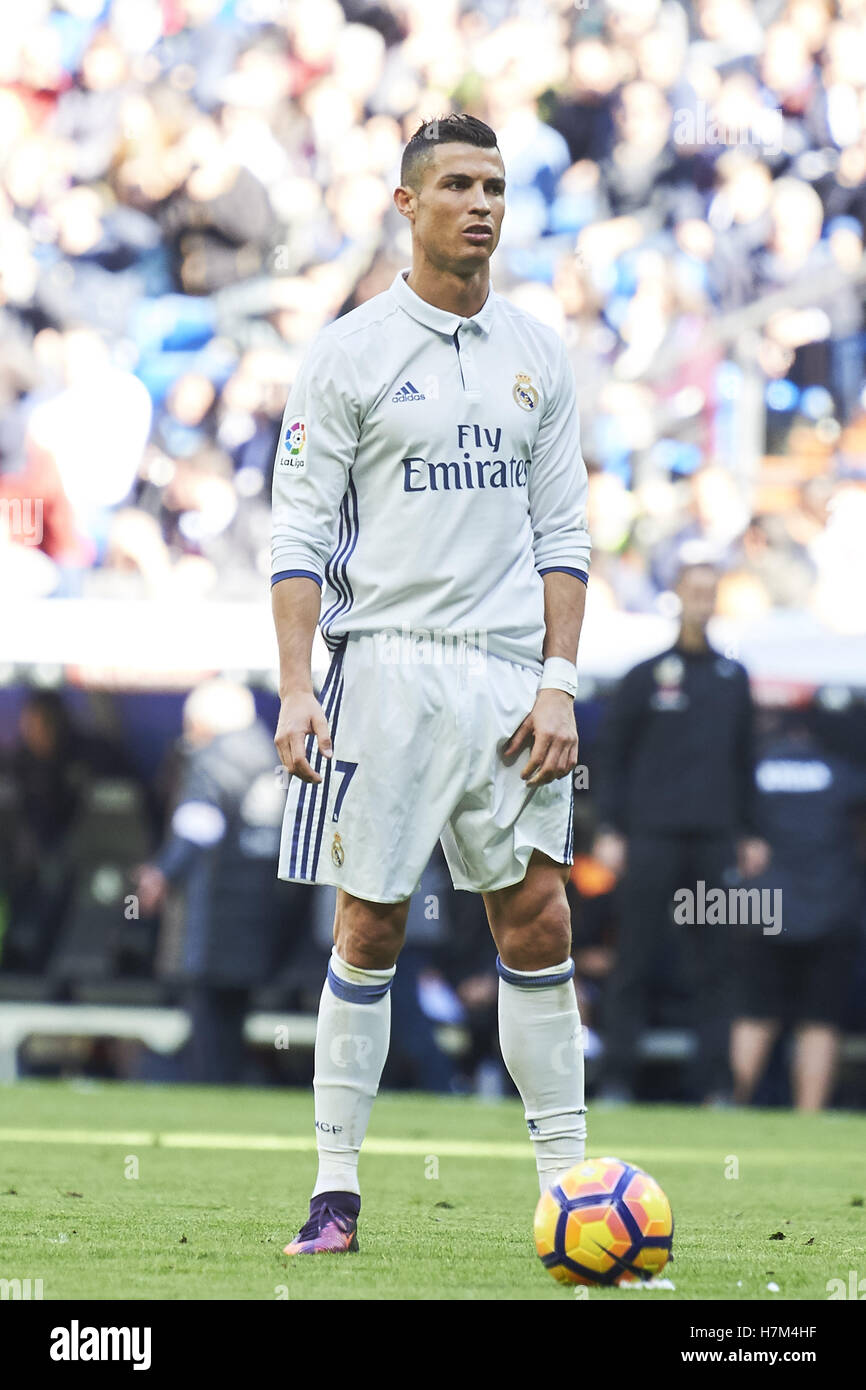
(405, 200)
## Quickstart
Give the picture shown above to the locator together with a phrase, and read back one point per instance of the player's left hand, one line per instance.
(550, 729)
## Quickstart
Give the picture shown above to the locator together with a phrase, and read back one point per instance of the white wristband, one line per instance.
(559, 674)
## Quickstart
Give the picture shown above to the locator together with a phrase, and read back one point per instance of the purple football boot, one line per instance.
(331, 1228)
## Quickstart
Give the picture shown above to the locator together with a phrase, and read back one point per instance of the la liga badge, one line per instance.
(293, 447)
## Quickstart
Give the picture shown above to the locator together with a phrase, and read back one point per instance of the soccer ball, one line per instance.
(604, 1222)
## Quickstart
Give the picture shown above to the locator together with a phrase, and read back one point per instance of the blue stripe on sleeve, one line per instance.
(295, 574)
(563, 569)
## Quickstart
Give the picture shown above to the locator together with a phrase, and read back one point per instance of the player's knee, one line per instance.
(369, 935)
(538, 938)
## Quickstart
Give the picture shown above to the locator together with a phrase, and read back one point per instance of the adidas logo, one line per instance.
(408, 392)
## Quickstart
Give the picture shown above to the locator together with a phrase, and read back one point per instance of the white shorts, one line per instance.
(417, 757)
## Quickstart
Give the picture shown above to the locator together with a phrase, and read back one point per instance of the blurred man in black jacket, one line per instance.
(223, 845)
(676, 807)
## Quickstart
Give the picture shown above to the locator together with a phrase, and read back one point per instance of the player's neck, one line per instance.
(450, 292)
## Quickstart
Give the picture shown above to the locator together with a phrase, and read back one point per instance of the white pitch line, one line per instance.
(76, 1136)
(166, 1139)
(393, 1148)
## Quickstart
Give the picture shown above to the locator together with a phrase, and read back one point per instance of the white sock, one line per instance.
(542, 1047)
(352, 1039)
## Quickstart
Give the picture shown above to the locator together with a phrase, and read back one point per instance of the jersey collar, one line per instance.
(439, 319)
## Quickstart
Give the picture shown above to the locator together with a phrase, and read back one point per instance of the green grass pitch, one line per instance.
(114, 1191)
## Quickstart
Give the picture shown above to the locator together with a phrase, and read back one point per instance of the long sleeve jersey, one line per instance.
(429, 473)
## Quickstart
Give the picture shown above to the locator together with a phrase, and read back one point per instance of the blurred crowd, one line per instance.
(190, 189)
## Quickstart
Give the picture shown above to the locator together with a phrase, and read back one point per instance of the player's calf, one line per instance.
(539, 1024)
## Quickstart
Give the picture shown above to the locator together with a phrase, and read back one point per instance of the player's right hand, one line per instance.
(301, 715)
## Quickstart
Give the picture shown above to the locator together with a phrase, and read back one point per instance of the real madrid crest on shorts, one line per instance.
(338, 854)
(524, 392)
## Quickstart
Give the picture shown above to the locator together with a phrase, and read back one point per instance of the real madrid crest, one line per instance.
(338, 854)
(669, 674)
(524, 392)
(669, 671)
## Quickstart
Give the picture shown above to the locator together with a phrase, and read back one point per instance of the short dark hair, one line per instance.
(442, 130)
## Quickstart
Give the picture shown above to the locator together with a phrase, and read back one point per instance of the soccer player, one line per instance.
(428, 511)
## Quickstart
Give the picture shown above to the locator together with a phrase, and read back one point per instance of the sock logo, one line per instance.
(325, 1128)
(568, 1055)
(351, 1049)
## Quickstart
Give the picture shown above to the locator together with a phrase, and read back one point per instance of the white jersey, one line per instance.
(429, 473)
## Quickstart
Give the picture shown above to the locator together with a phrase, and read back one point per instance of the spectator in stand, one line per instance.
(201, 186)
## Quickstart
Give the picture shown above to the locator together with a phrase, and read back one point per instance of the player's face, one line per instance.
(457, 212)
